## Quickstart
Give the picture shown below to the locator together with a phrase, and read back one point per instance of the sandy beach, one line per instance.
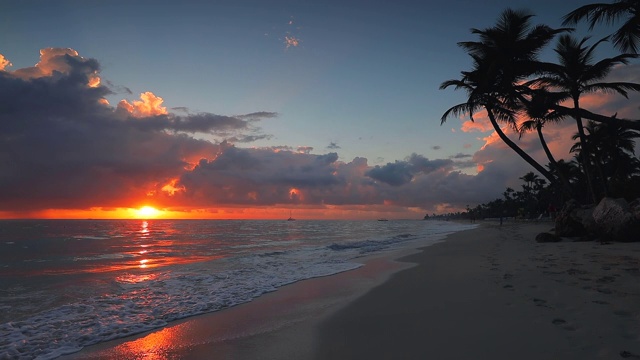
(487, 293)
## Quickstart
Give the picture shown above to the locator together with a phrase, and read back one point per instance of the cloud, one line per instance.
(402, 172)
(436, 147)
(460, 156)
(479, 125)
(148, 105)
(257, 116)
(4, 63)
(63, 147)
(55, 61)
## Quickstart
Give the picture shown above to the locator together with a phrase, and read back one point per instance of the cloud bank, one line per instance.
(63, 146)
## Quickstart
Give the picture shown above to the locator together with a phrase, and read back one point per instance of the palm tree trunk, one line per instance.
(518, 150)
(586, 114)
(585, 157)
(552, 161)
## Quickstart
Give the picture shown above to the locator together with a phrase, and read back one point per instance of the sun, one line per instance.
(147, 212)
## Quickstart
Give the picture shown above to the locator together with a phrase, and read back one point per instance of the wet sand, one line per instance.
(487, 293)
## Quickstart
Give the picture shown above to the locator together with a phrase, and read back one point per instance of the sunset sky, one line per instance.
(250, 109)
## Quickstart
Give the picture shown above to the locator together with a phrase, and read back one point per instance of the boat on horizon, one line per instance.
(290, 217)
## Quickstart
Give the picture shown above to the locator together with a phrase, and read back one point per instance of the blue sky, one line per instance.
(361, 82)
(365, 75)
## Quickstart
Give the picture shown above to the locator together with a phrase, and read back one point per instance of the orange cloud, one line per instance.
(148, 105)
(481, 123)
(480, 126)
(56, 60)
(4, 63)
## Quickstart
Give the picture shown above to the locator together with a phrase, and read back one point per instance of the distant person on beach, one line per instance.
(551, 209)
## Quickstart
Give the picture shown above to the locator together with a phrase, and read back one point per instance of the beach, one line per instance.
(487, 293)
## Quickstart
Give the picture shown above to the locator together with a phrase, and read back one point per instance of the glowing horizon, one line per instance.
(222, 213)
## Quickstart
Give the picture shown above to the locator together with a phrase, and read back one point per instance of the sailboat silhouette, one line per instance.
(290, 217)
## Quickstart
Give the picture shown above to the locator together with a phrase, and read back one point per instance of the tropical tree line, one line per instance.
(535, 198)
(515, 88)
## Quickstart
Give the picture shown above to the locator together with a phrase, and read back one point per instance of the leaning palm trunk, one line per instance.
(586, 114)
(517, 149)
(554, 164)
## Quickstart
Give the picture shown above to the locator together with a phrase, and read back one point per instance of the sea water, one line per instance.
(67, 284)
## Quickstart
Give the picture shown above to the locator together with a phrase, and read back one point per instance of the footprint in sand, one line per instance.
(606, 279)
(563, 323)
(558, 321)
(541, 303)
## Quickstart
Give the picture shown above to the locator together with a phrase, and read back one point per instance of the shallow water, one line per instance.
(67, 284)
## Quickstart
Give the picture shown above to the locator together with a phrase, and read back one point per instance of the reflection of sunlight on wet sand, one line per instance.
(153, 346)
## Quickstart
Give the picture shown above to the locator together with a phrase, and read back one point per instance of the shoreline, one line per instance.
(293, 311)
(489, 292)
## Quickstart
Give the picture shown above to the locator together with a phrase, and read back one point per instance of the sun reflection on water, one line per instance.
(144, 231)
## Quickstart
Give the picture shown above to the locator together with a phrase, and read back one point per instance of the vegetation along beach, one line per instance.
(332, 180)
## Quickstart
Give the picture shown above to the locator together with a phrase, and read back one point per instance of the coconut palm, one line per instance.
(538, 111)
(504, 57)
(615, 149)
(578, 74)
(627, 37)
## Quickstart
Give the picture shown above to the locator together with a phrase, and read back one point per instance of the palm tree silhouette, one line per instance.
(614, 152)
(539, 112)
(577, 74)
(627, 37)
(504, 57)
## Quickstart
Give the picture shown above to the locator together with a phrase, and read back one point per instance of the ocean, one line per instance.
(67, 284)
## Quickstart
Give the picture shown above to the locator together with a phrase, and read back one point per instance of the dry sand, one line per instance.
(487, 293)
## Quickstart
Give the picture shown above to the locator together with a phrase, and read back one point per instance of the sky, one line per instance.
(253, 109)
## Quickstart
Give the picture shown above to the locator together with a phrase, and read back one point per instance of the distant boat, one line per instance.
(382, 219)
(290, 218)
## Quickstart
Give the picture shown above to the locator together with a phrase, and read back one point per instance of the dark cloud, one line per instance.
(249, 138)
(402, 172)
(61, 146)
(461, 156)
(257, 176)
(436, 147)
(333, 146)
(257, 116)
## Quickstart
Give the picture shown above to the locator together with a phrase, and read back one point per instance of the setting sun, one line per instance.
(147, 212)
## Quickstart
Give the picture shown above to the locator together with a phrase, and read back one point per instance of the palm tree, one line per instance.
(505, 56)
(530, 178)
(615, 149)
(627, 37)
(538, 110)
(577, 74)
